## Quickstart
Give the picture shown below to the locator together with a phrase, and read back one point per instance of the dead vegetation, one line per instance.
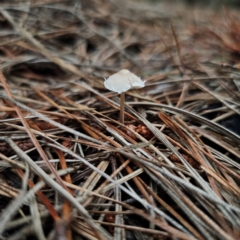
(70, 170)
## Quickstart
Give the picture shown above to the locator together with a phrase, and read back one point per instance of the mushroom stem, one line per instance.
(122, 103)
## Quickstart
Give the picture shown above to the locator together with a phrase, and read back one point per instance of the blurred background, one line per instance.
(201, 3)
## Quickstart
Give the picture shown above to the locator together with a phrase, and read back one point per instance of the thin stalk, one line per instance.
(122, 103)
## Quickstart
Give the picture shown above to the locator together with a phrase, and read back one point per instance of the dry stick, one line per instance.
(8, 191)
(86, 143)
(136, 180)
(90, 165)
(129, 170)
(136, 197)
(168, 144)
(125, 212)
(113, 104)
(27, 197)
(210, 124)
(100, 188)
(131, 156)
(202, 162)
(66, 211)
(134, 228)
(118, 232)
(175, 232)
(122, 102)
(144, 161)
(68, 185)
(94, 178)
(30, 133)
(219, 140)
(177, 196)
(12, 162)
(207, 219)
(182, 182)
(173, 212)
(82, 229)
(205, 89)
(55, 123)
(37, 224)
(114, 143)
(44, 199)
(206, 153)
(128, 138)
(99, 231)
(221, 221)
(46, 119)
(176, 128)
(231, 172)
(222, 181)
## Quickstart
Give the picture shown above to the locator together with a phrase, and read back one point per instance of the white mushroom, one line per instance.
(121, 82)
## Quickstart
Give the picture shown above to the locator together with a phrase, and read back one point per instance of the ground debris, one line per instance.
(170, 172)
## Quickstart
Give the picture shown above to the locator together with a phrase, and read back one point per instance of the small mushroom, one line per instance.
(121, 82)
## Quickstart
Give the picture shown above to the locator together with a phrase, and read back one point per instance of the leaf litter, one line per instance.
(69, 169)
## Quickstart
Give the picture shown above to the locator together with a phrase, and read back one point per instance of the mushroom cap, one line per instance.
(122, 81)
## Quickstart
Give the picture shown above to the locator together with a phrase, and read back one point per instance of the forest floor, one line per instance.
(69, 169)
